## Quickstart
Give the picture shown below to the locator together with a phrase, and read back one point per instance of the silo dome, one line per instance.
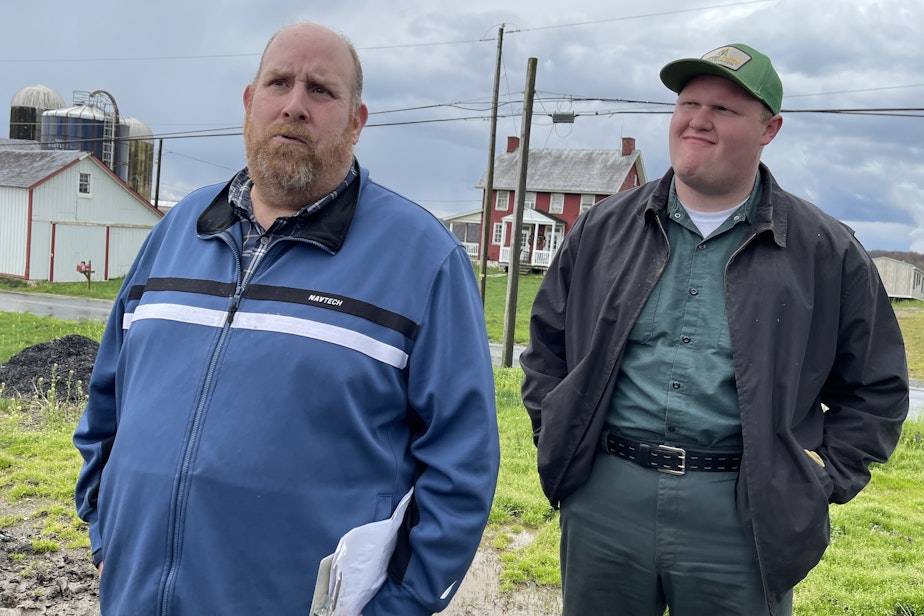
(38, 97)
(137, 128)
(26, 110)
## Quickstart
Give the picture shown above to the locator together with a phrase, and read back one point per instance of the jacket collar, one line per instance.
(328, 226)
(772, 211)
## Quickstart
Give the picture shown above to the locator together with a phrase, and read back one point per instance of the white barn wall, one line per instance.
(14, 220)
(40, 251)
(106, 227)
(53, 201)
(58, 200)
(124, 244)
(74, 243)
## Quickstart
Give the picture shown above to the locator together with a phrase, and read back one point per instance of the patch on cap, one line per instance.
(731, 58)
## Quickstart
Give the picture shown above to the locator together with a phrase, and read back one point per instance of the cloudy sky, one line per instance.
(180, 67)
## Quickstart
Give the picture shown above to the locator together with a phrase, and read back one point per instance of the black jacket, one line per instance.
(811, 328)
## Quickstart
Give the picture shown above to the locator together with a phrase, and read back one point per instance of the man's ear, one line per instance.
(359, 121)
(247, 96)
(771, 129)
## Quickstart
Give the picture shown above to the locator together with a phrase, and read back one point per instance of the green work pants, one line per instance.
(635, 541)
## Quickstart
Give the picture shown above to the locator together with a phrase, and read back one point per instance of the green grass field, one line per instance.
(872, 568)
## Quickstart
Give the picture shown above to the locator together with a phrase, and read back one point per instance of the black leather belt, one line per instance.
(668, 459)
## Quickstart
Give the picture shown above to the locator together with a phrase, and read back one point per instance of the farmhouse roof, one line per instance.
(564, 170)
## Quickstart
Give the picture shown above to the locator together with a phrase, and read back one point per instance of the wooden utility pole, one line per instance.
(513, 271)
(160, 151)
(489, 181)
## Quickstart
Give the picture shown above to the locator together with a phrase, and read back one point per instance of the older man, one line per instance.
(291, 354)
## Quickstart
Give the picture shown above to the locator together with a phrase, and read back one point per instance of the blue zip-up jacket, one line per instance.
(237, 428)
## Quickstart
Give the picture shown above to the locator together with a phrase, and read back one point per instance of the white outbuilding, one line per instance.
(63, 208)
(901, 280)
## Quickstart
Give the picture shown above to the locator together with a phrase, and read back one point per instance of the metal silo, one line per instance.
(93, 125)
(79, 127)
(26, 111)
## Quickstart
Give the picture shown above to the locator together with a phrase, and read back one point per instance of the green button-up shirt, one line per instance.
(676, 383)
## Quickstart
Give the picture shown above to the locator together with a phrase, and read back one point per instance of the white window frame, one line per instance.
(498, 235)
(529, 202)
(557, 203)
(502, 204)
(83, 184)
(587, 202)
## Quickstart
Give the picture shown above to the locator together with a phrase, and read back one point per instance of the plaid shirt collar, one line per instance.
(240, 198)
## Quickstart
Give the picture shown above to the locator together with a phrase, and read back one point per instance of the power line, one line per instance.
(199, 160)
(237, 131)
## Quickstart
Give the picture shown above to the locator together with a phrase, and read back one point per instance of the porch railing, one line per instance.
(539, 258)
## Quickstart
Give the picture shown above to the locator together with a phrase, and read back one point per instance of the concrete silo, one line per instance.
(140, 157)
(26, 111)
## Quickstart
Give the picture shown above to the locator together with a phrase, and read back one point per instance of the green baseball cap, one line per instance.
(739, 63)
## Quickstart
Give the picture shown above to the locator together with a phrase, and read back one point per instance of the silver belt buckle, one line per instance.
(681, 453)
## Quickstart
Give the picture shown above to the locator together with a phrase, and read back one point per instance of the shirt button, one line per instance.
(675, 385)
(677, 215)
(264, 240)
(686, 339)
(694, 292)
(672, 429)
(701, 247)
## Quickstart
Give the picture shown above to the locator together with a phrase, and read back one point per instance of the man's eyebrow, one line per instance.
(273, 73)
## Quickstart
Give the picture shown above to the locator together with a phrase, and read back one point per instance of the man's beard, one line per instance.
(291, 168)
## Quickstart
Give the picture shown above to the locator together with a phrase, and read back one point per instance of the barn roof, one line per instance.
(25, 168)
(19, 144)
(564, 170)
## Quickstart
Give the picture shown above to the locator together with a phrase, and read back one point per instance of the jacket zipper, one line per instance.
(192, 438)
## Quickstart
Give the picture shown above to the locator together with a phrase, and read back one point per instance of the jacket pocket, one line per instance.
(818, 466)
(382, 507)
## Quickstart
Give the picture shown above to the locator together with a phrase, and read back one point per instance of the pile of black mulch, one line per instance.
(61, 363)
